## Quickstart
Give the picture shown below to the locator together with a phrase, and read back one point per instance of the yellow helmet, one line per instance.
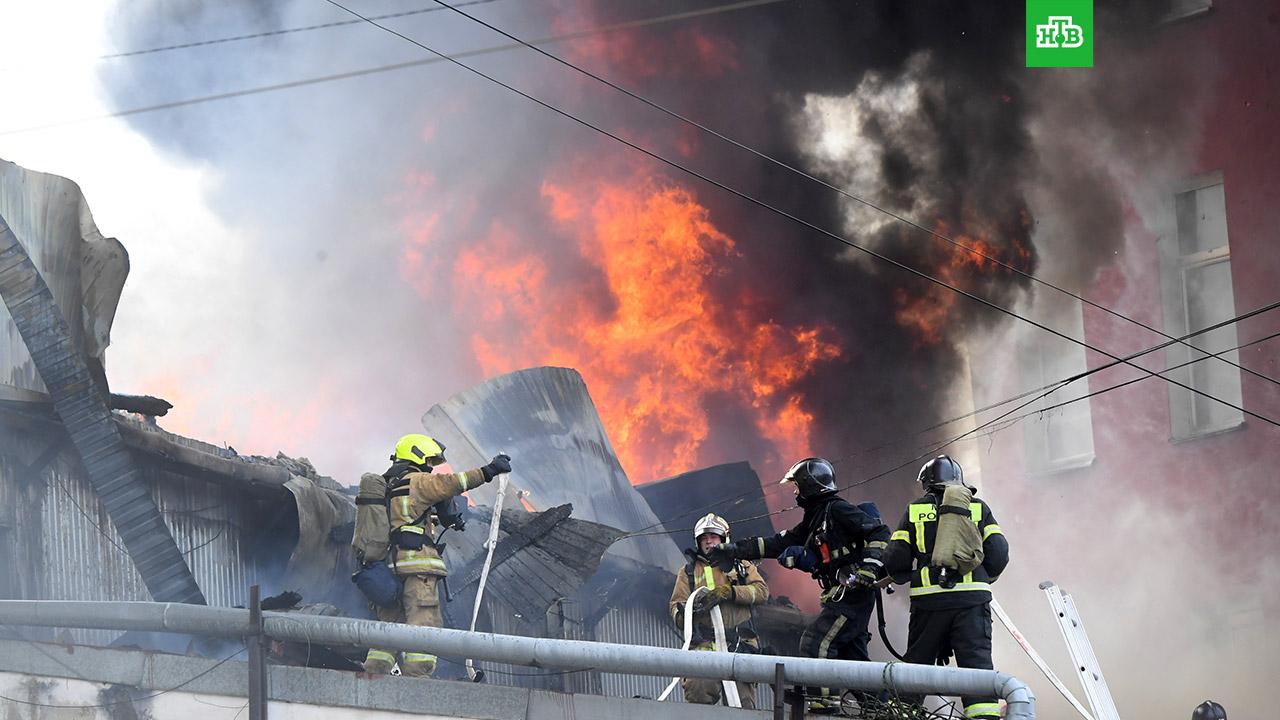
(419, 449)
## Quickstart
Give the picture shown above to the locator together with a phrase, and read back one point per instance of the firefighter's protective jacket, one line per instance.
(410, 497)
(911, 551)
(838, 532)
(748, 586)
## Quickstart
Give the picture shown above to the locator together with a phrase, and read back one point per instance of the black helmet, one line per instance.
(940, 472)
(1209, 710)
(814, 477)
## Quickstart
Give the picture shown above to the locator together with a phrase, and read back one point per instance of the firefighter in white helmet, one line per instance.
(734, 586)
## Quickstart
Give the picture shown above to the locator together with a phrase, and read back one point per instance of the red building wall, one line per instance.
(1172, 549)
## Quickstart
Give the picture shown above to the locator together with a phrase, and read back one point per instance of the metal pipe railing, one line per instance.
(534, 652)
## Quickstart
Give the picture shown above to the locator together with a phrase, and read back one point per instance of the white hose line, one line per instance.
(491, 543)
(717, 621)
(1039, 661)
(688, 636)
(722, 645)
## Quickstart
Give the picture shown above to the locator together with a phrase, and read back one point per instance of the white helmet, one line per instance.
(711, 523)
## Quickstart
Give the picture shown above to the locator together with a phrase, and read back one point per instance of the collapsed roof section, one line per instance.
(731, 490)
(63, 338)
(544, 418)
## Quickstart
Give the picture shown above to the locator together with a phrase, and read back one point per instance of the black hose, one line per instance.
(884, 635)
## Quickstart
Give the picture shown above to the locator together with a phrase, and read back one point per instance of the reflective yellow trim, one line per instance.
(975, 512)
(924, 577)
(761, 542)
(410, 657)
(405, 515)
(416, 529)
(462, 480)
(380, 655)
(992, 529)
(708, 577)
(982, 709)
(408, 566)
(877, 545)
(960, 587)
(902, 535)
(831, 635)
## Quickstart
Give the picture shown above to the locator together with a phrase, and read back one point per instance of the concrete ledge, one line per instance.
(152, 671)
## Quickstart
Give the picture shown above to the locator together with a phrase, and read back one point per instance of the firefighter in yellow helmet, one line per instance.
(413, 490)
(734, 586)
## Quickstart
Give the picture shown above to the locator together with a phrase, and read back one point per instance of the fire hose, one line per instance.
(722, 645)
(1039, 661)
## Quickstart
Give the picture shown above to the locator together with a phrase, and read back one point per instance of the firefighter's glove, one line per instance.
(722, 554)
(798, 557)
(498, 465)
(864, 577)
(712, 598)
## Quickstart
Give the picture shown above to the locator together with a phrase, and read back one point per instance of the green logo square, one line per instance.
(1059, 33)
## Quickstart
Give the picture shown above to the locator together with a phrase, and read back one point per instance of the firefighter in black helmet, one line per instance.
(1209, 710)
(840, 545)
(950, 600)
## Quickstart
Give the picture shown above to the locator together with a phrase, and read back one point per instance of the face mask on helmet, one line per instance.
(812, 477)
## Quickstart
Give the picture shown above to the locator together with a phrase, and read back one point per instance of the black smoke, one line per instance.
(321, 172)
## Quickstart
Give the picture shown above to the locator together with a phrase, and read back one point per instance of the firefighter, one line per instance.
(413, 490)
(950, 607)
(734, 587)
(840, 545)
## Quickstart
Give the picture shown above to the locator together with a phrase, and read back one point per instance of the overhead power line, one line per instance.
(791, 168)
(274, 87)
(1127, 383)
(1040, 393)
(281, 31)
(796, 219)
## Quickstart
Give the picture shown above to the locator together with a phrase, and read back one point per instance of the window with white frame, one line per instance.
(1195, 264)
(1060, 435)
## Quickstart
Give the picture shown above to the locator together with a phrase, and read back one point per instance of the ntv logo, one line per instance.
(1059, 32)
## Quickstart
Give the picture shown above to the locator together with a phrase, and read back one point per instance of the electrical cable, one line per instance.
(845, 193)
(272, 33)
(1044, 392)
(794, 218)
(1126, 383)
(625, 25)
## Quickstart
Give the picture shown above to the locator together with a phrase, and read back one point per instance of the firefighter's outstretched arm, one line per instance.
(754, 548)
(427, 489)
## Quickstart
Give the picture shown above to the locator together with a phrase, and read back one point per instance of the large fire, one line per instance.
(642, 324)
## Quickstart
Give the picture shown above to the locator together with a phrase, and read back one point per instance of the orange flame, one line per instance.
(926, 314)
(641, 324)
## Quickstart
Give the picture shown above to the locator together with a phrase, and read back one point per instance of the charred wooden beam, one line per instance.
(141, 404)
(508, 546)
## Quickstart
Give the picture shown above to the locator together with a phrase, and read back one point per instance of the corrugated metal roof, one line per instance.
(545, 419)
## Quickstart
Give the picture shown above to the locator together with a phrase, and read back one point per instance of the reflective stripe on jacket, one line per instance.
(911, 548)
(751, 590)
(406, 508)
